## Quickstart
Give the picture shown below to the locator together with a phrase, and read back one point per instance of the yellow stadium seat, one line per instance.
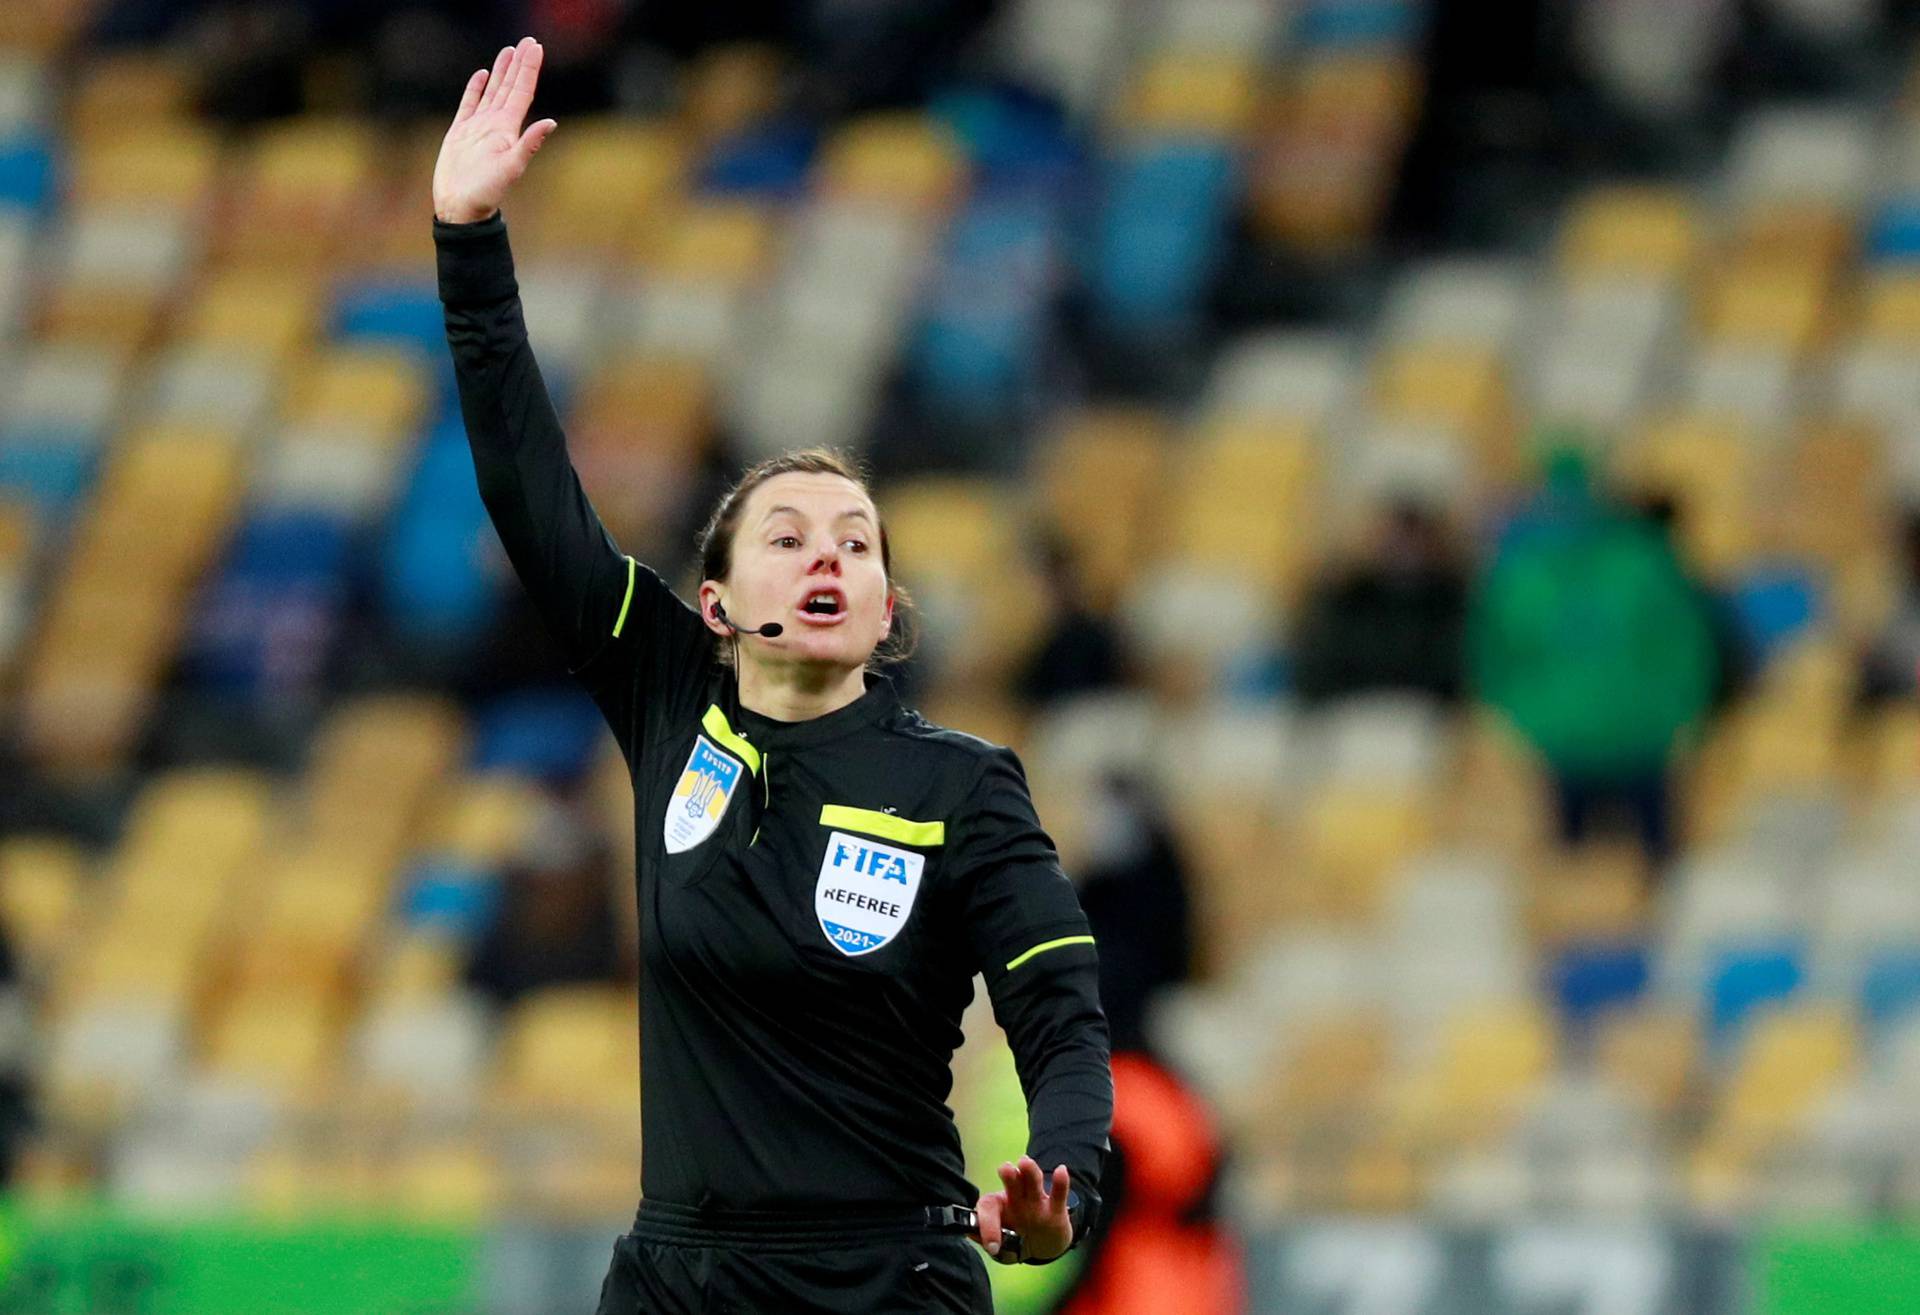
(265, 313)
(1246, 502)
(298, 1178)
(606, 183)
(1799, 233)
(1894, 747)
(646, 404)
(906, 160)
(456, 1181)
(1650, 1054)
(949, 526)
(16, 534)
(375, 765)
(1791, 1060)
(1889, 305)
(111, 319)
(1596, 892)
(303, 184)
(1629, 230)
(128, 963)
(724, 242)
(309, 926)
(1767, 304)
(282, 1043)
(129, 91)
(1835, 508)
(383, 390)
(164, 507)
(43, 885)
(415, 966)
(1707, 463)
(570, 1049)
(1491, 1058)
(1786, 750)
(1327, 1076)
(1193, 95)
(1099, 486)
(484, 819)
(174, 165)
(1353, 839)
(729, 88)
(1461, 389)
(217, 814)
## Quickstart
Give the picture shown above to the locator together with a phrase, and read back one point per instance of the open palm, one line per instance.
(485, 151)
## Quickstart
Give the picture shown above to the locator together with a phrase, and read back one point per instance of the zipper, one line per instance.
(766, 783)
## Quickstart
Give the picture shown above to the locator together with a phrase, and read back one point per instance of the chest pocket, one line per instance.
(708, 789)
(874, 867)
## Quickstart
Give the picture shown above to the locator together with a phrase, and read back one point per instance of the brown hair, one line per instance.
(716, 540)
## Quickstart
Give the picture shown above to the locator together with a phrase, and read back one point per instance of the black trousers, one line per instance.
(666, 1266)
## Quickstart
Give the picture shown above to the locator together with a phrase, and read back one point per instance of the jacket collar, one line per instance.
(879, 699)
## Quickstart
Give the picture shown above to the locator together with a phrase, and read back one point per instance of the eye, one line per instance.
(856, 545)
(787, 541)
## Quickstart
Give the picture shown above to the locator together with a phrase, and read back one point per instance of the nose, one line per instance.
(826, 558)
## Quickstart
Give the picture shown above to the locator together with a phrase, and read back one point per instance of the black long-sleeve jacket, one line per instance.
(816, 896)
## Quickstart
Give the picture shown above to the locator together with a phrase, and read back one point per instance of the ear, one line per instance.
(886, 618)
(709, 596)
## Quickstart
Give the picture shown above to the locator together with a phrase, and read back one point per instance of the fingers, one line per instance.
(524, 77)
(471, 99)
(986, 1213)
(1058, 1192)
(535, 137)
(501, 63)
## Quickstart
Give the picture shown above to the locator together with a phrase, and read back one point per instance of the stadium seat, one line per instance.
(1757, 387)
(1789, 1062)
(1765, 304)
(1243, 502)
(1801, 153)
(483, 819)
(279, 1043)
(1208, 96)
(1074, 48)
(429, 1051)
(730, 88)
(1159, 235)
(1099, 485)
(302, 183)
(383, 389)
(1354, 838)
(44, 883)
(570, 1050)
(1453, 387)
(1289, 378)
(129, 90)
(1637, 231)
(903, 160)
(1652, 1053)
(605, 183)
(1474, 303)
(153, 163)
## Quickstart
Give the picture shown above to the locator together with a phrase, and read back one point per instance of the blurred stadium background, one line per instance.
(1429, 488)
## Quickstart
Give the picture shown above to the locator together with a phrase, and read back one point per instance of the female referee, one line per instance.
(821, 872)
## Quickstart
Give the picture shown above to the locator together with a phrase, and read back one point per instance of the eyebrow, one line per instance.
(795, 511)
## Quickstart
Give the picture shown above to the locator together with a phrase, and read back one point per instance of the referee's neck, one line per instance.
(796, 692)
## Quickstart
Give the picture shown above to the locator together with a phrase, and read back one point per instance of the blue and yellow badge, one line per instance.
(700, 799)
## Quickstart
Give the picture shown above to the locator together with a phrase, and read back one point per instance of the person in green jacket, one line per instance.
(1587, 634)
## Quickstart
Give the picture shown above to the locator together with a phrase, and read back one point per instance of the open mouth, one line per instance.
(823, 607)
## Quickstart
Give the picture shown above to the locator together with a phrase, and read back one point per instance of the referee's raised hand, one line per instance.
(1038, 1215)
(485, 151)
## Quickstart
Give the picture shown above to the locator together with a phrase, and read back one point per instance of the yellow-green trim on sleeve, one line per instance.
(1044, 946)
(870, 822)
(717, 725)
(621, 620)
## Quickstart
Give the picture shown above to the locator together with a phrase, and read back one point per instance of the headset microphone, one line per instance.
(771, 630)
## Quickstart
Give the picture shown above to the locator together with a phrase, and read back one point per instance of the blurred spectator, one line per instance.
(1133, 887)
(1735, 662)
(1588, 635)
(556, 922)
(1080, 650)
(1892, 666)
(1393, 620)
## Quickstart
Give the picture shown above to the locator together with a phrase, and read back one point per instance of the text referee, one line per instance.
(821, 871)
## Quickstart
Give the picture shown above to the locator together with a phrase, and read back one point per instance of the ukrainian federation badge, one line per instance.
(865, 892)
(700, 799)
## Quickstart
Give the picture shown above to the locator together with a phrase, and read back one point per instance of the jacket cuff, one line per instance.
(475, 262)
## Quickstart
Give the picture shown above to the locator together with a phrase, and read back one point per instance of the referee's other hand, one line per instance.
(485, 151)
(1027, 1207)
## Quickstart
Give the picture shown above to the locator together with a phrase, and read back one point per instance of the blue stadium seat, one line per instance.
(1890, 991)
(1894, 234)
(1590, 977)
(1160, 232)
(1016, 139)
(772, 160)
(27, 173)
(443, 895)
(266, 624)
(551, 734)
(1344, 24)
(406, 314)
(1774, 603)
(50, 475)
(432, 581)
(1744, 979)
(985, 326)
